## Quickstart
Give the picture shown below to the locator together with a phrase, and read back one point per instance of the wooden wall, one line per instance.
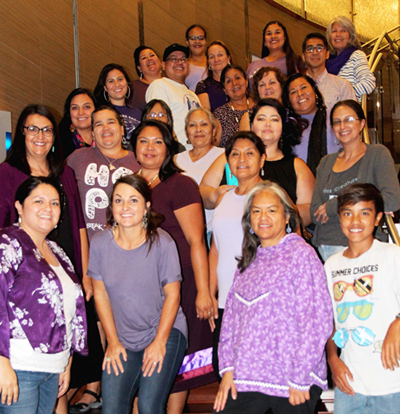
(37, 40)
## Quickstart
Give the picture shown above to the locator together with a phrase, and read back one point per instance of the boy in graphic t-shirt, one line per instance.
(364, 283)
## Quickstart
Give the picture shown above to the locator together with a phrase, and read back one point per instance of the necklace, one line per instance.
(112, 166)
(152, 180)
(233, 109)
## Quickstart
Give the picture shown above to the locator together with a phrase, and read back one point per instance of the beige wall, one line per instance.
(37, 40)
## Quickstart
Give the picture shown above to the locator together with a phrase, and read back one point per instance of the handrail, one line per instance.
(376, 38)
(394, 234)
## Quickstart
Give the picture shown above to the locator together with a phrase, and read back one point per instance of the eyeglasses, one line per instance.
(33, 130)
(318, 48)
(176, 60)
(156, 115)
(362, 287)
(362, 310)
(362, 336)
(349, 121)
(196, 38)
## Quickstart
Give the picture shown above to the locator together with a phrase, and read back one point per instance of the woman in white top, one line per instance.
(200, 127)
(196, 41)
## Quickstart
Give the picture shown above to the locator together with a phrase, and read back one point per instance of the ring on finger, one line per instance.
(154, 362)
(107, 359)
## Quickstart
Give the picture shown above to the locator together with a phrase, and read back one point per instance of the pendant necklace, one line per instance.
(233, 109)
(152, 180)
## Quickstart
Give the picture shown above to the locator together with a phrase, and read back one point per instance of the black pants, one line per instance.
(217, 331)
(258, 403)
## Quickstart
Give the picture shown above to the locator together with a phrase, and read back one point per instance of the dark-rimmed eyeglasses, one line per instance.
(318, 48)
(33, 130)
(201, 38)
(176, 60)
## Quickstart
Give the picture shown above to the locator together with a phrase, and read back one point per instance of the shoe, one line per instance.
(84, 407)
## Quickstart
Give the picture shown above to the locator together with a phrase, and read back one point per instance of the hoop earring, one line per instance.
(106, 97)
(128, 93)
(144, 221)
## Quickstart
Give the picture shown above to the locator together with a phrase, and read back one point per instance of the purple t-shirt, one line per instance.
(138, 99)
(95, 181)
(215, 91)
(131, 117)
(134, 280)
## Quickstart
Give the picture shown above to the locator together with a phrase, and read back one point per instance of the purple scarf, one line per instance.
(336, 62)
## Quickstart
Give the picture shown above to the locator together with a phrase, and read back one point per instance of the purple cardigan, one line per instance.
(31, 300)
(277, 319)
(11, 178)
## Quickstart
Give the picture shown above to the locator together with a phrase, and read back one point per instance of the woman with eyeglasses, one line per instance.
(36, 151)
(148, 68)
(278, 315)
(196, 41)
(113, 88)
(357, 162)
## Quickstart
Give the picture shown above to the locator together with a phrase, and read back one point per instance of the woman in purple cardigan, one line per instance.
(277, 317)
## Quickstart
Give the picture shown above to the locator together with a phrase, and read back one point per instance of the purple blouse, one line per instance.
(277, 319)
(32, 297)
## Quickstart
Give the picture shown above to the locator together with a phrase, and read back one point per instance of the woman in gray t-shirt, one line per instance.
(137, 279)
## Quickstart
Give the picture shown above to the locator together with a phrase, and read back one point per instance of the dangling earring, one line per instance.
(106, 98)
(251, 231)
(337, 141)
(316, 100)
(288, 228)
(209, 68)
(114, 225)
(52, 148)
(144, 221)
(141, 75)
(55, 226)
(19, 219)
(262, 172)
(128, 93)
(280, 144)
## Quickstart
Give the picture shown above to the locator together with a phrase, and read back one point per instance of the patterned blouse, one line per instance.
(31, 297)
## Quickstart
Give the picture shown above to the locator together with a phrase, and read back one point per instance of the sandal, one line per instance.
(84, 407)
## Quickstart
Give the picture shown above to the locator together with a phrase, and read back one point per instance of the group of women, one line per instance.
(160, 286)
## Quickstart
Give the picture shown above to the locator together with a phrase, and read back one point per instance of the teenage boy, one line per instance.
(364, 283)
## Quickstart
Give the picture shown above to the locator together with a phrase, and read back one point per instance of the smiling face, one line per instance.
(159, 113)
(200, 130)
(358, 222)
(149, 63)
(274, 38)
(197, 47)
(107, 132)
(267, 125)
(40, 211)
(269, 87)
(37, 146)
(150, 148)
(339, 37)
(244, 160)
(346, 125)
(80, 110)
(315, 59)
(302, 97)
(217, 58)
(178, 70)
(235, 84)
(116, 86)
(268, 218)
(128, 206)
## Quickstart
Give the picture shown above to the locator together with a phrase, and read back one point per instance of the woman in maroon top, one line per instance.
(176, 197)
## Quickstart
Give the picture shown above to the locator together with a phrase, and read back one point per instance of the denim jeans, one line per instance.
(366, 404)
(326, 251)
(37, 394)
(118, 391)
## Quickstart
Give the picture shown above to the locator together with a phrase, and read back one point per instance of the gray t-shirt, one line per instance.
(95, 177)
(134, 280)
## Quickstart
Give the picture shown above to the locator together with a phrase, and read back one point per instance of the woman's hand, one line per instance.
(391, 347)
(340, 374)
(297, 397)
(204, 305)
(211, 321)
(226, 385)
(112, 357)
(87, 287)
(221, 190)
(8, 382)
(64, 379)
(321, 215)
(154, 354)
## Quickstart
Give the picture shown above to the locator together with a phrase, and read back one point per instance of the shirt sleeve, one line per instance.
(157, 90)
(169, 266)
(187, 193)
(347, 90)
(364, 78)
(314, 316)
(201, 88)
(7, 191)
(95, 267)
(10, 258)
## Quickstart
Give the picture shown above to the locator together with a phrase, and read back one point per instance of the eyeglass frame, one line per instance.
(38, 130)
(157, 115)
(176, 60)
(193, 38)
(349, 120)
(311, 48)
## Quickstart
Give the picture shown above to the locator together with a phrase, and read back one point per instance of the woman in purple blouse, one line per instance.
(42, 310)
(277, 317)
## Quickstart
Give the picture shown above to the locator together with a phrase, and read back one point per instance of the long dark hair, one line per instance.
(168, 166)
(293, 61)
(291, 127)
(141, 186)
(250, 240)
(99, 90)
(149, 106)
(17, 154)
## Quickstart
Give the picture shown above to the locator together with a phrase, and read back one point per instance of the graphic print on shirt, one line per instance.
(97, 198)
(190, 102)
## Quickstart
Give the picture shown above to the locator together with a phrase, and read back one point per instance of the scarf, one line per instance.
(317, 147)
(336, 62)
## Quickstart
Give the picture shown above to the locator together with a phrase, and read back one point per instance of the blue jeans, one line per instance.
(118, 391)
(366, 404)
(326, 251)
(37, 393)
